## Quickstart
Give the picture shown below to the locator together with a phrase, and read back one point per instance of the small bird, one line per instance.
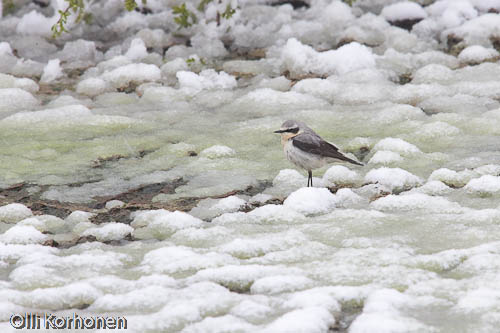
(306, 149)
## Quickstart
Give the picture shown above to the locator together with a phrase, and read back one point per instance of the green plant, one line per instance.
(8, 7)
(186, 17)
(183, 16)
(130, 5)
(78, 7)
(202, 4)
(349, 2)
(229, 12)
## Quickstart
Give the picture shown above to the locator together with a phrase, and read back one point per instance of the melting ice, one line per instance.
(407, 243)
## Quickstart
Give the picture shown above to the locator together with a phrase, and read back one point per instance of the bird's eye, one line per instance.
(293, 130)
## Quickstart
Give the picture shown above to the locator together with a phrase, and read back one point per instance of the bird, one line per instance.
(306, 149)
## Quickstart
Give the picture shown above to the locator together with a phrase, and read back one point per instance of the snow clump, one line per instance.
(404, 10)
(22, 234)
(14, 212)
(394, 178)
(217, 151)
(302, 59)
(484, 185)
(311, 200)
(109, 231)
(52, 71)
(207, 79)
(477, 54)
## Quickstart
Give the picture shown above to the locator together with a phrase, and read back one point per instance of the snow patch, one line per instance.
(484, 185)
(217, 151)
(394, 178)
(52, 71)
(23, 234)
(302, 59)
(14, 212)
(109, 231)
(311, 200)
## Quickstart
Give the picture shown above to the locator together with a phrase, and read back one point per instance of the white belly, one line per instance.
(301, 158)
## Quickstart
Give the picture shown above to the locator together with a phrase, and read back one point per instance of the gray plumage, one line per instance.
(306, 149)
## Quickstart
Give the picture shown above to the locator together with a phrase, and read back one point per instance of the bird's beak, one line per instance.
(279, 131)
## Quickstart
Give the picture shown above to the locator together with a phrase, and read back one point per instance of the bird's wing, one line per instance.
(315, 145)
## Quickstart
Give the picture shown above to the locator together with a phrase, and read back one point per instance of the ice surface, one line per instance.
(407, 242)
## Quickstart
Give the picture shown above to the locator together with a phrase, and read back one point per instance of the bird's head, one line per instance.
(289, 129)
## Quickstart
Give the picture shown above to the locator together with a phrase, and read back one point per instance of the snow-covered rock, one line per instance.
(394, 178)
(109, 231)
(311, 200)
(477, 54)
(14, 212)
(22, 234)
(217, 151)
(302, 59)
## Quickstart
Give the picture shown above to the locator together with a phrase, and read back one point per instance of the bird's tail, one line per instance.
(352, 161)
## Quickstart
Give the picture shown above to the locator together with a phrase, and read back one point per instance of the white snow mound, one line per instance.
(477, 54)
(217, 151)
(302, 59)
(404, 10)
(484, 185)
(311, 200)
(22, 234)
(207, 79)
(109, 231)
(393, 178)
(14, 212)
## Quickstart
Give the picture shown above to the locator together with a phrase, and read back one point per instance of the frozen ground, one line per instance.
(407, 243)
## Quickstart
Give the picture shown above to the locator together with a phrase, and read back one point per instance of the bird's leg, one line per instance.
(310, 178)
